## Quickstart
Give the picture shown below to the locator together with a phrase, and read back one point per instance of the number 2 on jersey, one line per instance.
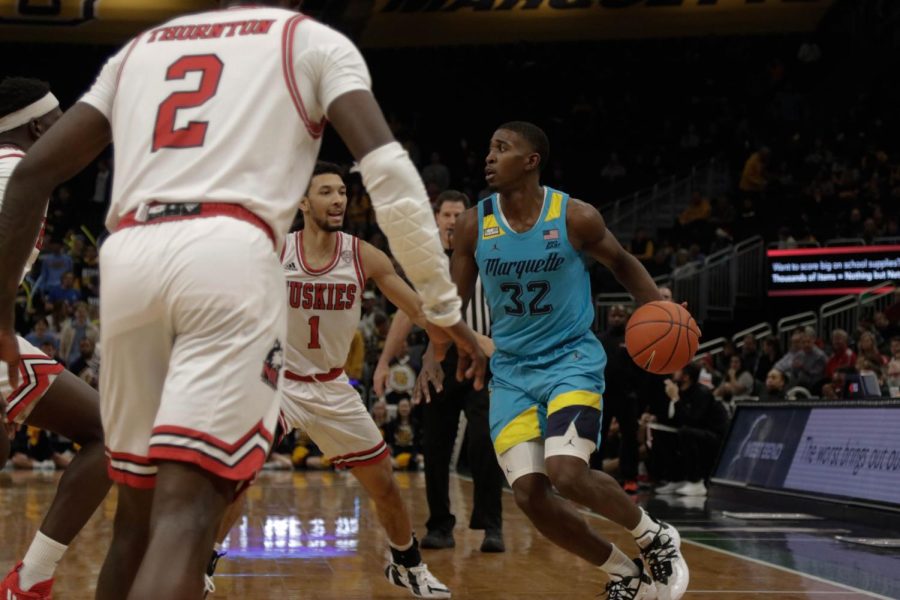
(164, 133)
(314, 333)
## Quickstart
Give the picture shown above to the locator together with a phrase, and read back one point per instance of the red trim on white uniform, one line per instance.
(358, 265)
(290, 77)
(125, 60)
(37, 373)
(305, 266)
(242, 464)
(364, 458)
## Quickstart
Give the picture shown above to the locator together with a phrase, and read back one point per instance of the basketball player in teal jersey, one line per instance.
(530, 244)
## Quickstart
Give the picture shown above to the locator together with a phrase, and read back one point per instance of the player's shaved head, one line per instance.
(534, 136)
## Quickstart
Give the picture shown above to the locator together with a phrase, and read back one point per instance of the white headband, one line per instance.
(35, 110)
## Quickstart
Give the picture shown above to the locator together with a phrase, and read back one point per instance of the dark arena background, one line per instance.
(747, 152)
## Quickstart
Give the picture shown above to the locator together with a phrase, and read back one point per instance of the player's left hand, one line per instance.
(472, 362)
(430, 375)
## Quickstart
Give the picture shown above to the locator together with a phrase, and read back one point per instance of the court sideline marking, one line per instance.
(757, 561)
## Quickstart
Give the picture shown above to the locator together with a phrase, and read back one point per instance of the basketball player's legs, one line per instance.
(213, 386)
(517, 425)
(334, 417)
(71, 408)
(53, 399)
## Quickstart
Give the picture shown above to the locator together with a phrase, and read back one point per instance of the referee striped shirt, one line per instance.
(477, 313)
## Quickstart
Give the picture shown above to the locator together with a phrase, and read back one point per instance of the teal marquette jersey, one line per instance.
(536, 284)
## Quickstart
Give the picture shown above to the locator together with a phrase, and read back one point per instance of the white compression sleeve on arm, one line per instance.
(405, 216)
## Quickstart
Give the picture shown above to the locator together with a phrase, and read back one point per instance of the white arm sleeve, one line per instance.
(405, 216)
(103, 93)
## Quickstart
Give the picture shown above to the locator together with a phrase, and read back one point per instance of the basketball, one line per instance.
(662, 337)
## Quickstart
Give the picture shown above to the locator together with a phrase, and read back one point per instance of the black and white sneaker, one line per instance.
(637, 587)
(666, 564)
(418, 580)
(208, 586)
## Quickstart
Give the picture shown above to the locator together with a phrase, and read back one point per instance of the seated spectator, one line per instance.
(754, 178)
(805, 367)
(750, 353)
(774, 390)
(892, 380)
(701, 421)
(54, 264)
(883, 326)
(52, 350)
(73, 330)
(380, 416)
(895, 347)
(642, 245)
(66, 291)
(771, 352)
(683, 266)
(41, 335)
(867, 348)
(660, 263)
(839, 381)
(84, 365)
(693, 222)
(90, 276)
(403, 435)
(841, 354)
(737, 381)
(698, 209)
(722, 361)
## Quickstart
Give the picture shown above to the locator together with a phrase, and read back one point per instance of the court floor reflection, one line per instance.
(315, 536)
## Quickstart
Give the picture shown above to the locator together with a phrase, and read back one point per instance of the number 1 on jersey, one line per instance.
(314, 333)
(164, 133)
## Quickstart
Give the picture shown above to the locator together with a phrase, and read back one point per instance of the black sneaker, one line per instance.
(208, 586)
(493, 541)
(438, 540)
(666, 564)
(637, 587)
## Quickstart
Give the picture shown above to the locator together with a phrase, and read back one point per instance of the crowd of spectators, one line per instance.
(616, 126)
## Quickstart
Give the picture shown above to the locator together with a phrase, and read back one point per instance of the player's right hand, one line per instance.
(472, 362)
(9, 353)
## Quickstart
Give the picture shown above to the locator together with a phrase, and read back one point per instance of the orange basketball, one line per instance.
(662, 337)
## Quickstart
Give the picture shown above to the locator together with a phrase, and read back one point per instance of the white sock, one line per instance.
(401, 547)
(40, 561)
(645, 531)
(618, 563)
(217, 548)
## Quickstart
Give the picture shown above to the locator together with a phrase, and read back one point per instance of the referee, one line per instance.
(441, 417)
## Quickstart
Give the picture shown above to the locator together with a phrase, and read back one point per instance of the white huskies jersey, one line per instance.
(223, 106)
(9, 158)
(323, 305)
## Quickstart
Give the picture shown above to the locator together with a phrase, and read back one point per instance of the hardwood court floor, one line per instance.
(315, 536)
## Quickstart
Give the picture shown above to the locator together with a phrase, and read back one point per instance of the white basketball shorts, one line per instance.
(335, 418)
(192, 325)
